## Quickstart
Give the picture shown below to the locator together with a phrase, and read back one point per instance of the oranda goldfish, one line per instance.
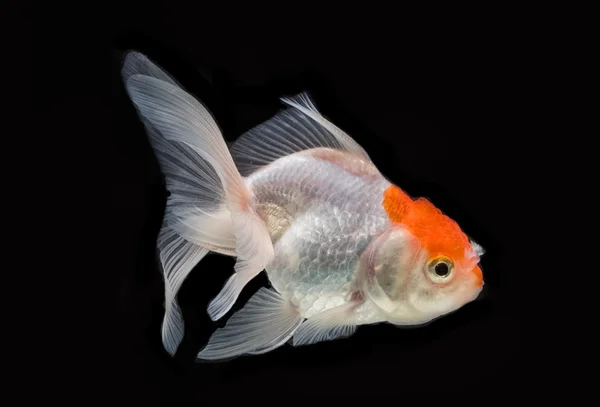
(297, 197)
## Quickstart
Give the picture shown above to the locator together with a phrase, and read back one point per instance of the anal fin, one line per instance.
(265, 322)
(335, 323)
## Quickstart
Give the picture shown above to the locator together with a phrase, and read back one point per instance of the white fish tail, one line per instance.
(210, 206)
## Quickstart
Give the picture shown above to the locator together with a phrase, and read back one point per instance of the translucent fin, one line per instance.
(297, 128)
(223, 302)
(136, 63)
(196, 206)
(276, 343)
(177, 257)
(180, 118)
(266, 321)
(304, 103)
(213, 230)
(196, 218)
(335, 323)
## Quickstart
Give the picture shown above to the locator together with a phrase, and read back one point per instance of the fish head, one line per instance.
(424, 267)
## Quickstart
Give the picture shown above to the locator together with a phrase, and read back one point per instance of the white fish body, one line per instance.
(322, 221)
(297, 197)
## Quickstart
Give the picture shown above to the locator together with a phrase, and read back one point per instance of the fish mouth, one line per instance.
(484, 293)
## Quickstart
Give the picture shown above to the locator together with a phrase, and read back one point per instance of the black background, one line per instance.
(439, 114)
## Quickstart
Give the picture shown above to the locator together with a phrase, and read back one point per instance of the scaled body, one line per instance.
(322, 217)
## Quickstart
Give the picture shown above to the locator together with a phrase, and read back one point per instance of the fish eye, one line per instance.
(440, 268)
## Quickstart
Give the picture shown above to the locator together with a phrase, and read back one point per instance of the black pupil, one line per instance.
(441, 269)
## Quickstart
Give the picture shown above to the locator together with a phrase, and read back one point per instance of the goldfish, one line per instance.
(298, 198)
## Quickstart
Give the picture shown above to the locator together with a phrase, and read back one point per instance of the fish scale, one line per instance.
(335, 215)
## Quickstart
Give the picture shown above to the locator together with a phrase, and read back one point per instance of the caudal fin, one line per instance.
(210, 205)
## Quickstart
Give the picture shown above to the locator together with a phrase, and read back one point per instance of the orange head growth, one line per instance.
(437, 233)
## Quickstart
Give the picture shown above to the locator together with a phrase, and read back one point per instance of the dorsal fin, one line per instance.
(298, 127)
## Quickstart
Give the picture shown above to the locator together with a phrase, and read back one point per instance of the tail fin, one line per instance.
(178, 257)
(210, 205)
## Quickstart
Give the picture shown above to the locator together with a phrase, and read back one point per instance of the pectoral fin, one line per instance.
(335, 323)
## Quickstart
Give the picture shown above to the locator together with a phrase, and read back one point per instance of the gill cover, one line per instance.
(388, 263)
